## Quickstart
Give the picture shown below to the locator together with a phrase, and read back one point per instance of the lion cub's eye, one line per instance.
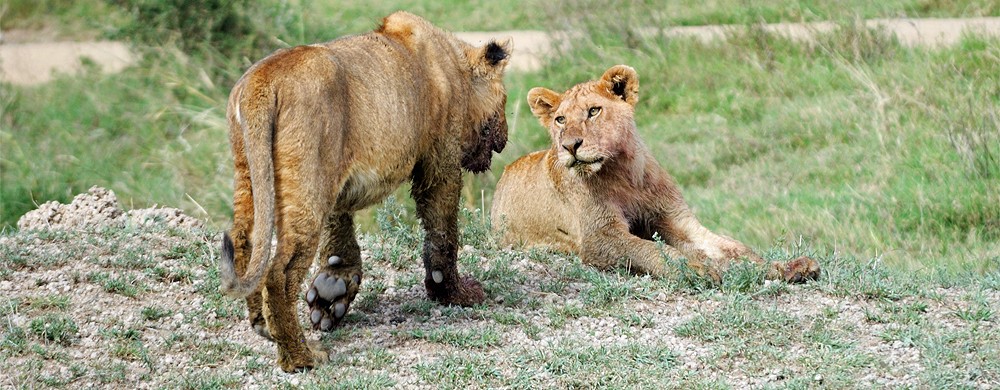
(594, 111)
(560, 119)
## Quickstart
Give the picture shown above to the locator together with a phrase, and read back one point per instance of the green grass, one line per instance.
(203, 381)
(125, 284)
(463, 338)
(461, 370)
(547, 15)
(55, 328)
(572, 365)
(457, 15)
(43, 302)
(126, 344)
(153, 313)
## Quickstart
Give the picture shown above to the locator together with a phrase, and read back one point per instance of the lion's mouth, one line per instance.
(576, 162)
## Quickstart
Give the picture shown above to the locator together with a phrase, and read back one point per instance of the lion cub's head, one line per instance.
(486, 106)
(592, 123)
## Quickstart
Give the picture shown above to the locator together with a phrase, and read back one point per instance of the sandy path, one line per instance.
(34, 63)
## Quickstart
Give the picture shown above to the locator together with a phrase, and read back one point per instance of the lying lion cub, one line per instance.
(321, 131)
(600, 193)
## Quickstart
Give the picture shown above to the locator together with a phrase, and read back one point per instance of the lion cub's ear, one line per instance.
(543, 103)
(491, 59)
(623, 82)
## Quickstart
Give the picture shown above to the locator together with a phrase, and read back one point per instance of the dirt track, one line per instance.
(29, 63)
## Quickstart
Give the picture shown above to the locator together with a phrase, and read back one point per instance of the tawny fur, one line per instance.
(598, 192)
(320, 131)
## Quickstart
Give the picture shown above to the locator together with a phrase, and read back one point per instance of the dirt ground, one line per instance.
(29, 58)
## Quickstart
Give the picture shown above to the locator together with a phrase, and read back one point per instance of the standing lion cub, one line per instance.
(600, 193)
(321, 131)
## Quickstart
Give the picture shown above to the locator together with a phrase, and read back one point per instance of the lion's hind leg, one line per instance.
(295, 252)
(297, 241)
(339, 277)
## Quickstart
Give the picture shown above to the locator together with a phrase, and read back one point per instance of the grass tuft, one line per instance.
(57, 328)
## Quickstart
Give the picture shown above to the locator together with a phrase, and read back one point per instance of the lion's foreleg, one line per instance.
(607, 242)
(611, 245)
(437, 207)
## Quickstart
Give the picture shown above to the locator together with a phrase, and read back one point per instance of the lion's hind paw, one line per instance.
(330, 295)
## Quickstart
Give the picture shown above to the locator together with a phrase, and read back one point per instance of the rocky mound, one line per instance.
(99, 208)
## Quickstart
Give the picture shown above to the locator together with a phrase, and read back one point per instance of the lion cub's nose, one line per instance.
(571, 145)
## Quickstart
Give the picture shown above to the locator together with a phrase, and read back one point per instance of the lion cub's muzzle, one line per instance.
(574, 157)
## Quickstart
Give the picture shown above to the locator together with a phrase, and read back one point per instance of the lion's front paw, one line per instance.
(801, 270)
(331, 294)
(466, 292)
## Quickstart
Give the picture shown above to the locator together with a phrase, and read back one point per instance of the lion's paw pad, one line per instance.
(329, 297)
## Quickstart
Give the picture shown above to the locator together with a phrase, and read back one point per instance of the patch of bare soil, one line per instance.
(36, 62)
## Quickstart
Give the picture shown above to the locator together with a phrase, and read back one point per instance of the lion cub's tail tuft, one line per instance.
(231, 284)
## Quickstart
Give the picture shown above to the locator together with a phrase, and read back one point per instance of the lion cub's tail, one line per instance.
(257, 101)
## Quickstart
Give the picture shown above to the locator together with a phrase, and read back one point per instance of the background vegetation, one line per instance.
(855, 144)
